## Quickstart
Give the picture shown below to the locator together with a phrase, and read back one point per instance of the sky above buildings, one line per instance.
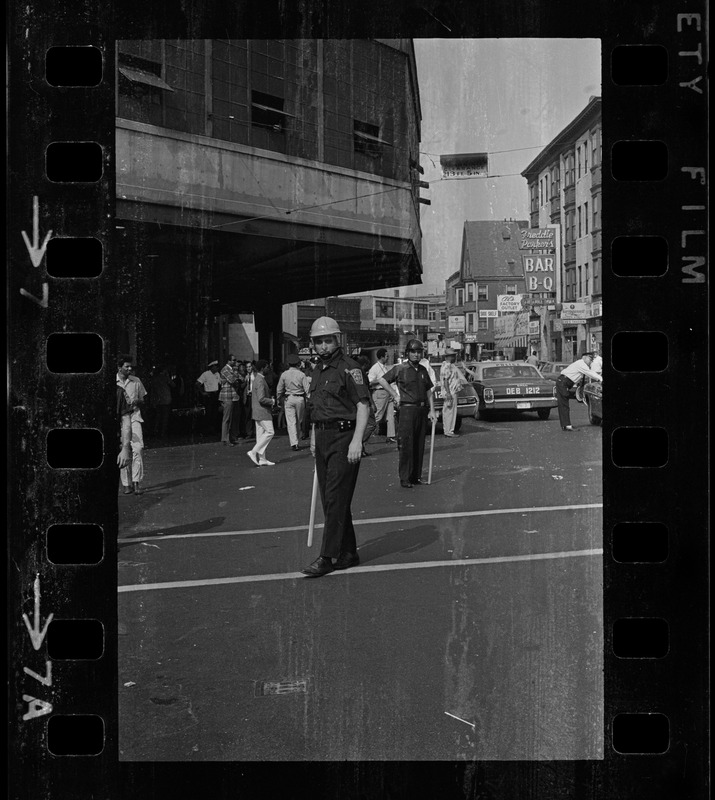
(506, 97)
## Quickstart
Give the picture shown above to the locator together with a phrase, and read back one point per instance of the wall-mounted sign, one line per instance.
(465, 165)
(488, 313)
(534, 328)
(470, 338)
(509, 303)
(597, 309)
(575, 311)
(539, 273)
(455, 323)
(538, 239)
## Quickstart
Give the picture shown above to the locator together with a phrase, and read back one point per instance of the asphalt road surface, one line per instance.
(472, 628)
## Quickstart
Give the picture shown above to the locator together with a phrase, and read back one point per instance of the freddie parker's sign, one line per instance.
(538, 239)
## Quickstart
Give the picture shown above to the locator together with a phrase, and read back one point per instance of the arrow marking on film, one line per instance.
(43, 303)
(36, 251)
(45, 680)
(36, 635)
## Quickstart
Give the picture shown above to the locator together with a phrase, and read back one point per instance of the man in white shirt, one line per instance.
(569, 378)
(209, 386)
(382, 399)
(130, 398)
(451, 380)
(293, 386)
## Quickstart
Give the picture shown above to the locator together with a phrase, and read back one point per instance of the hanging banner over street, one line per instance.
(465, 165)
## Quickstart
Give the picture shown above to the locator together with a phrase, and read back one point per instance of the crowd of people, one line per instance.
(331, 399)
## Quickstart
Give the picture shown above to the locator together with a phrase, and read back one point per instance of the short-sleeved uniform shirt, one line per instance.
(336, 387)
(413, 381)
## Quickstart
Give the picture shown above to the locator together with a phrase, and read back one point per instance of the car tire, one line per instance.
(592, 418)
(544, 413)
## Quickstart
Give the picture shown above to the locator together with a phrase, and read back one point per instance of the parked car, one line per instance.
(511, 386)
(593, 397)
(552, 369)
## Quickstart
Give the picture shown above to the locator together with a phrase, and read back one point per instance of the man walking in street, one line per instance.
(209, 385)
(262, 416)
(451, 380)
(339, 409)
(229, 399)
(570, 378)
(384, 406)
(415, 396)
(130, 398)
(293, 386)
(532, 359)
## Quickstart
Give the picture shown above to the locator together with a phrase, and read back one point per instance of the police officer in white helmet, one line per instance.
(339, 408)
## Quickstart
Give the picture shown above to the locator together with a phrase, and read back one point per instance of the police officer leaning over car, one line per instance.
(339, 408)
(415, 395)
(570, 377)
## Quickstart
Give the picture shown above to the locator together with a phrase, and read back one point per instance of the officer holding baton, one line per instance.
(414, 398)
(339, 408)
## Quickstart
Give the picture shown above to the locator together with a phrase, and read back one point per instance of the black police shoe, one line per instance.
(406, 484)
(347, 560)
(321, 566)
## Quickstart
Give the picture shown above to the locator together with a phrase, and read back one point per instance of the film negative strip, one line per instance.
(70, 284)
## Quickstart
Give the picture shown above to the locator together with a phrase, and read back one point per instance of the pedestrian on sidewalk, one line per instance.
(240, 408)
(533, 359)
(262, 405)
(130, 398)
(364, 363)
(292, 390)
(250, 378)
(339, 410)
(451, 380)
(209, 386)
(229, 399)
(413, 398)
(384, 406)
(569, 380)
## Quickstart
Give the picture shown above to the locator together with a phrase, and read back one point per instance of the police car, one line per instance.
(511, 386)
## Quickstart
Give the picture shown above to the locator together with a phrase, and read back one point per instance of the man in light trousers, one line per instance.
(262, 416)
(293, 385)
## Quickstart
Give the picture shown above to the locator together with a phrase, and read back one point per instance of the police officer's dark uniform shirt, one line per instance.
(336, 388)
(414, 383)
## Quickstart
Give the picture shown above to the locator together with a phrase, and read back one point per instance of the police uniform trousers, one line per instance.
(411, 432)
(337, 478)
(563, 396)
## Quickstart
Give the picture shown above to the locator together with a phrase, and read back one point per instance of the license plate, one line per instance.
(523, 405)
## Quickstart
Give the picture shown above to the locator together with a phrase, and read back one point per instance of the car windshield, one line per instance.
(511, 372)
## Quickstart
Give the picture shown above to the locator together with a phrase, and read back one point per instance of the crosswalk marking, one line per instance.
(372, 521)
(462, 562)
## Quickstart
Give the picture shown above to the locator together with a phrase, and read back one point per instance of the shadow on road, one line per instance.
(174, 484)
(191, 527)
(409, 541)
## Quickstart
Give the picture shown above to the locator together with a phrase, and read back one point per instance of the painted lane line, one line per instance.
(284, 576)
(373, 521)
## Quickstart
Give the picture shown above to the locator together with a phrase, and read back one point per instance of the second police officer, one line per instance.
(339, 408)
(415, 396)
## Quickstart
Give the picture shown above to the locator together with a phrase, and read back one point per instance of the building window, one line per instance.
(580, 284)
(596, 276)
(482, 291)
(569, 164)
(471, 316)
(585, 219)
(470, 292)
(510, 288)
(459, 297)
(595, 202)
(442, 316)
(568, 234)
(585, 278)
(578, 161)
(366, 139)
(585, 157)
(141, 88)
(555, 183)
(432, 316)
(267, 112)
(580, 212)
(483, 324)
(534, 197)
(421, 311)
(384, 308)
